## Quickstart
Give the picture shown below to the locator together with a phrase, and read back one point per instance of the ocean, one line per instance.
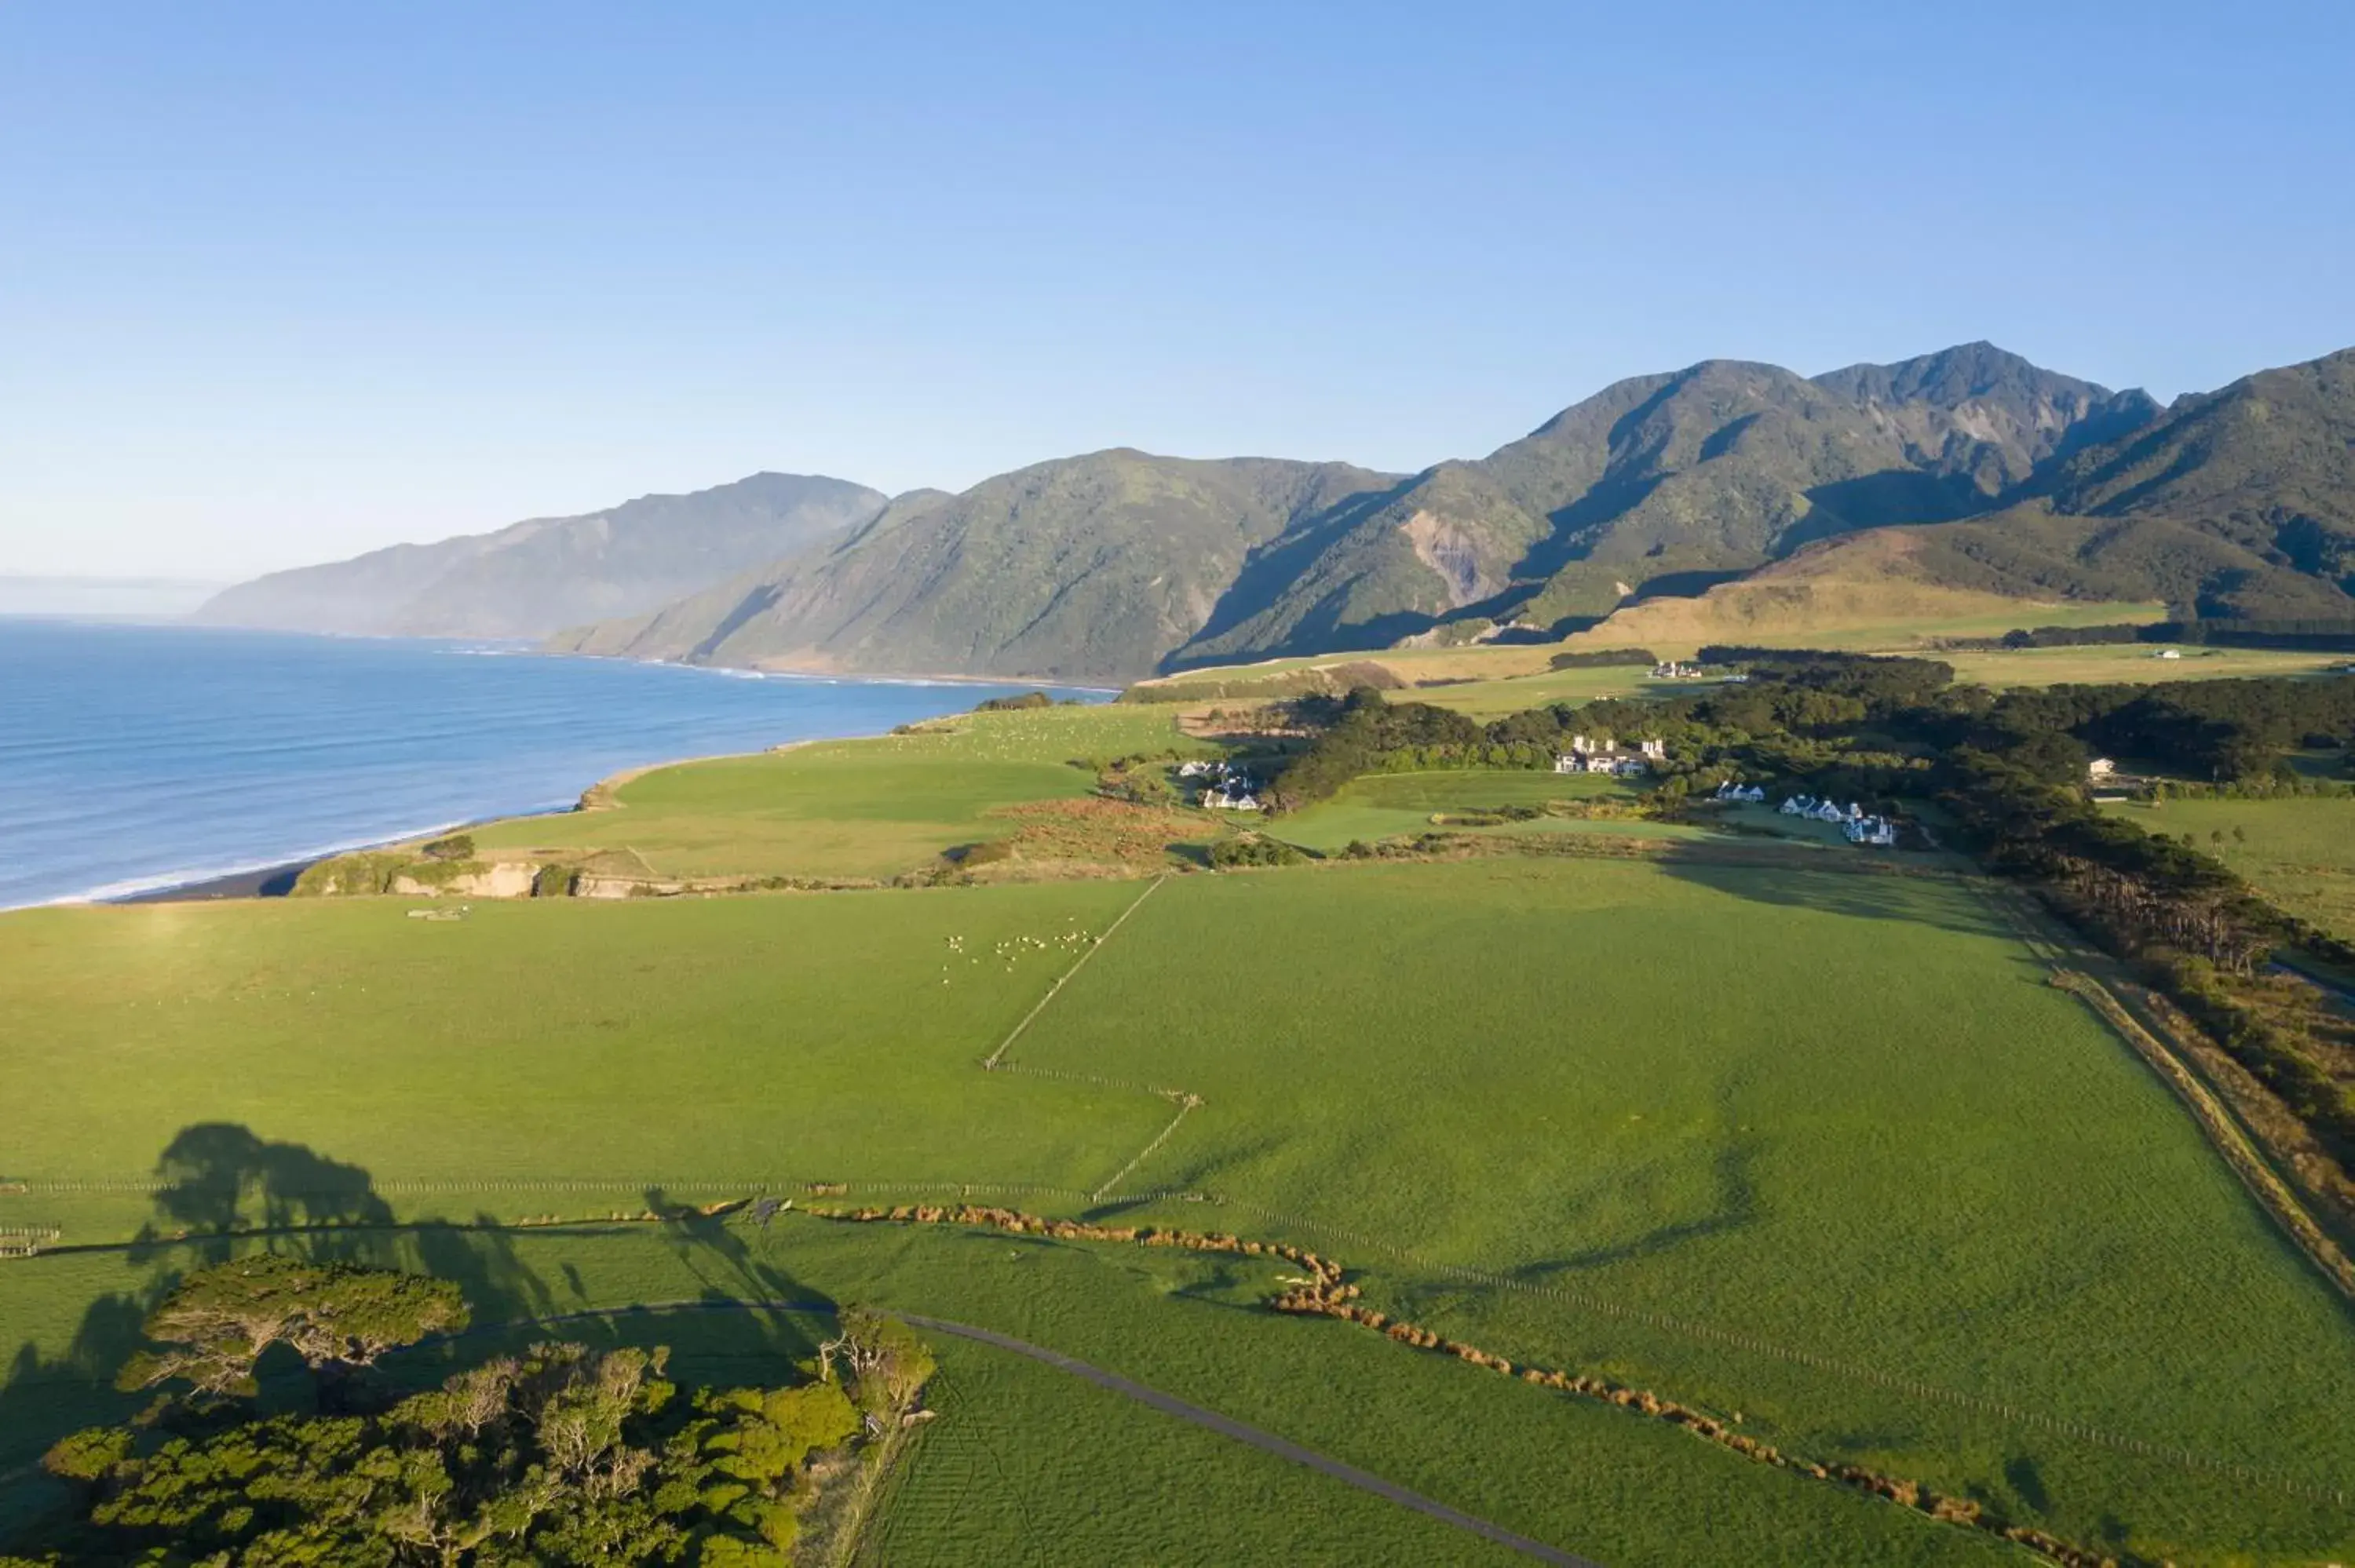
(140, 757)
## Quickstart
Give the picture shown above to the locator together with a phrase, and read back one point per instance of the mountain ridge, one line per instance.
(536, 576)
(2009, 481)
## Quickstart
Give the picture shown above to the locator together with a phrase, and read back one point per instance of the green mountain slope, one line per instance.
(533, 578)
(2018, 480)
(2262, 473)
(2238, 502)
(1087, 568)
(1669, 483)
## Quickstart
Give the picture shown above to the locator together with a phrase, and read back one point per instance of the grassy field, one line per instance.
(1699, 1095)
(979, 1488)
(1025, 1465)
(2298, 852)
(1388, 804)
(1492, 698)
(848, 809)
(1496, 698)
(1487, 662)
(640, 1043)
(2129, 663)
(1819, 1147)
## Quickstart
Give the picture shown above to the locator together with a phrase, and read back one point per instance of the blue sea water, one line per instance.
(134, 757)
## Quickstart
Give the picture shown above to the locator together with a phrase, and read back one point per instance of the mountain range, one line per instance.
(1995, 476)
(533, 578)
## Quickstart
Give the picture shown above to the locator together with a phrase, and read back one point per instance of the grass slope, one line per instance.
(871, 808)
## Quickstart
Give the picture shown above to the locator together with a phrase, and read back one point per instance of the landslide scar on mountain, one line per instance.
(1449, 552)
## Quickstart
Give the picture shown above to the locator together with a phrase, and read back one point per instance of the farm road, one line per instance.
(1169, 1405)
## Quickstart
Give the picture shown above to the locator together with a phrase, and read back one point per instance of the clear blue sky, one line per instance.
(279, 282)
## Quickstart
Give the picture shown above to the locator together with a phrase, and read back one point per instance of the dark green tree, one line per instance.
(218, 1322)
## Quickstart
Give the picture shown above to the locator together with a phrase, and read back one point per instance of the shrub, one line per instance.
(1603, 658)
(1255, 849)
(1013, 704)
(457, 846)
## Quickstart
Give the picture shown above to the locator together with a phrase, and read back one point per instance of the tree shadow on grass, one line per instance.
(724, 1256)
(226, 1189)
(222, 1190)
(1797, 878)
(1733, 1206)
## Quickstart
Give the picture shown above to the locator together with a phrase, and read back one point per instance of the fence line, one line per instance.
(991, 1060)
(1186, 1106)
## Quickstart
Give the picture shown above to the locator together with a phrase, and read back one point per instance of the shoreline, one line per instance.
(819, 673)
(276, 877)
(276, 881)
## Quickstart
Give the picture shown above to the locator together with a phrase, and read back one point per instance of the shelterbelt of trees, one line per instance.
(2010, 768)
(559, 1455)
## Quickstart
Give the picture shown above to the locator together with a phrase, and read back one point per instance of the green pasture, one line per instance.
(623, 1044)
(871, 808)
(1029, 1464)
(1121, 1483)
(1383, 805)
(1515, 693)
(2298, 852)
(1898, 636)
(2125, 663)
(1839, 1116)
(1818, 1145)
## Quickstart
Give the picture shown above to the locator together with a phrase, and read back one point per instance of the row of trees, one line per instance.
(560, 1455)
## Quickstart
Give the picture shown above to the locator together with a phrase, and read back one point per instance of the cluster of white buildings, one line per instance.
(1854, 824)
(1732, 793)
(1224, 787)
(1672, 669)
(1601, 754)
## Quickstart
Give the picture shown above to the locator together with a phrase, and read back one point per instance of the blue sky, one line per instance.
(282, 282)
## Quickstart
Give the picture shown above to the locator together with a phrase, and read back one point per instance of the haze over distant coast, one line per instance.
(137, 598)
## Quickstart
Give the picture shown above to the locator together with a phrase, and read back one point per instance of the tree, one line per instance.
(888, 1364)
(560, 1456)
(217, 1323)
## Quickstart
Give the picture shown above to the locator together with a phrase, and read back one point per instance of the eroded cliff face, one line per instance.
(500, 879)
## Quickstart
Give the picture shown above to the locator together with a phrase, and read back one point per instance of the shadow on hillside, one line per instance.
(1273, 568)
(1798, 877)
